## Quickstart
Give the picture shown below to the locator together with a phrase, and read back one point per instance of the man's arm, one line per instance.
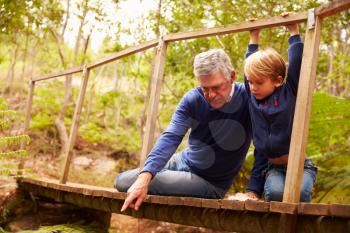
(160, 154)
(253, 46)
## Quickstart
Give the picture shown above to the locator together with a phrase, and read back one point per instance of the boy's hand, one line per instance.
(292, 28)
(254, 34)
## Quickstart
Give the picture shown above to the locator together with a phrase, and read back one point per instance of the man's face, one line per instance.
(216, 88)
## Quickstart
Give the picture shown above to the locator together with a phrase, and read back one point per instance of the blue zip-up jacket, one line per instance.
(272, 117)
(218, 141)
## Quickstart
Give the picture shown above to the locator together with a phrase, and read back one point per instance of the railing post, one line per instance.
(298, 144)
(27, 122)
(157, 79)
(75, 124)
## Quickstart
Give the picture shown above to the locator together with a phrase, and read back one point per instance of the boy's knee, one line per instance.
(273, 194)
(305, 196)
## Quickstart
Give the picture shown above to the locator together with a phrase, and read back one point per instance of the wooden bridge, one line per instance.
(247, 216)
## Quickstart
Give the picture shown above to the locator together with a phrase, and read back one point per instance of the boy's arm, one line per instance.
(257, 176)
(295, 53)
(253, 46)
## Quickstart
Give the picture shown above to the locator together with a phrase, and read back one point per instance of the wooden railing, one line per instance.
(304, 98)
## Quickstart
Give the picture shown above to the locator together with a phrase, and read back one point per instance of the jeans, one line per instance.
(176, 179)
(275, 179)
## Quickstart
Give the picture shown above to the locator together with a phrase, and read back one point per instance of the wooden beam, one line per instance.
(301, 121)
(157, 80)
(174, 209)
(27, 122)
(73, 70)
(75, 124)
(244, 26)
(124, 53)
(332, 7)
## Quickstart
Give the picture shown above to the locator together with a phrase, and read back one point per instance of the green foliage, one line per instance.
(73, 228)
(11, 146)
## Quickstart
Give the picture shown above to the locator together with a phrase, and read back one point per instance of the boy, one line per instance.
(271, 106)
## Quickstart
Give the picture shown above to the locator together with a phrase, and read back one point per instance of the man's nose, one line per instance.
(211, 94)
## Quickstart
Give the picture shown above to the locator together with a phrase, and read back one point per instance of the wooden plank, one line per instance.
(211, 203)
(258, 206)
(244, 26)
(301, 121)
(232, 204)
(175, 200)
(339, 210)
(124, 53)
(332, 7)
(285, 208)
(72, 70)
(75, 124)
(159, 199)
(26, 123)
(191, 201)
(157, 80)
(313, 209)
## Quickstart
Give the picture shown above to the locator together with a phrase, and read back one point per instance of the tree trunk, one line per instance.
(11, 73)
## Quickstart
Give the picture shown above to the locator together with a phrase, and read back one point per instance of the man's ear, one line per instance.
(279, 81)
(233, 76)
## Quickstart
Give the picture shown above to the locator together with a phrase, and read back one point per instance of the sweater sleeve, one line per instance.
(257, 176)
(295, 53)
(252, 48)
(170, 139)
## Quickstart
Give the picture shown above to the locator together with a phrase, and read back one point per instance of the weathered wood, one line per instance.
(232, 204)
(287, 223)
(324, 10)
(301, 121)
(124, 53)
(72, 70)
(244, 26)
(157, 80)
(190, 201)
(26, 122)
(175, 201)
(211, 203)
(75, 124)
(339, 210)
(280, 207)
(313, 209)
(332, 7)
(259, 206)
(217, 219)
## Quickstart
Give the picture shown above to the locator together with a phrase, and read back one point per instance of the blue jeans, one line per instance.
(275, 179)
(176, 179)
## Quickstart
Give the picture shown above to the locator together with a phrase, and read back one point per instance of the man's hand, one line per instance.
(292, 28)
(252, 195)
(137, 192)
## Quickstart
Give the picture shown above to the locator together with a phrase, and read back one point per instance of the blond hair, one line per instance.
(209, 62)
(266, 63)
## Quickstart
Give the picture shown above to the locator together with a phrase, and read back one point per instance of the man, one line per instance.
(218, 116)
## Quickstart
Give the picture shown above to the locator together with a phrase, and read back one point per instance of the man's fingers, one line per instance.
(127, 202)
(138, 203)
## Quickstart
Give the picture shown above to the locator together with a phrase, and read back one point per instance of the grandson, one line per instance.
(271, 106)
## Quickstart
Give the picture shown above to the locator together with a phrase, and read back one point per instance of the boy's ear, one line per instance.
(279, 81)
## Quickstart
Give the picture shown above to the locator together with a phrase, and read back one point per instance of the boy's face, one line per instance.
(216, 88)
(263, 87)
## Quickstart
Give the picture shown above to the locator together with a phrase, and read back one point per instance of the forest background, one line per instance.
(43, 36)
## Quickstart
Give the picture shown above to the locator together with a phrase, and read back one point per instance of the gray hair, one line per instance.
(212, 61)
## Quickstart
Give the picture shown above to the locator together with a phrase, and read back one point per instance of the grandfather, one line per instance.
(218, 116)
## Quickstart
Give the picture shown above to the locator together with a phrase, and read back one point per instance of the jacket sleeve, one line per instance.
(252, 48)
(170, 139)
(295, 54)
(257, 176)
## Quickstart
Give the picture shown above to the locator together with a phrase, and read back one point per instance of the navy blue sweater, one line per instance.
(218, 141)
(272, 117)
